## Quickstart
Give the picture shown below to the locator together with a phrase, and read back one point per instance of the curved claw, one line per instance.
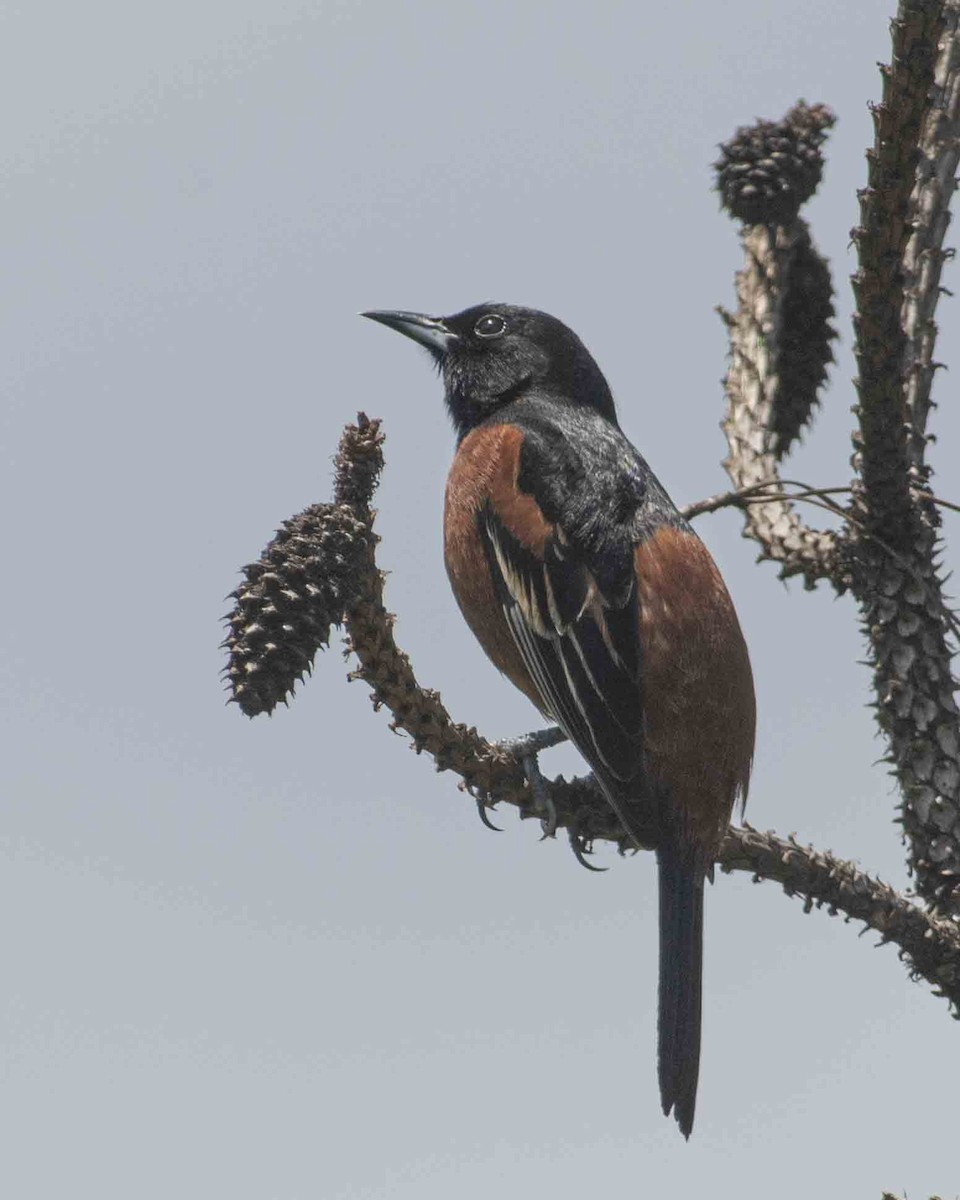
(548, 824)
(541, 797)
(482, 814)
(579, 847)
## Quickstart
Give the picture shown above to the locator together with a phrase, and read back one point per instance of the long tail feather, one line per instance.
(681, 972)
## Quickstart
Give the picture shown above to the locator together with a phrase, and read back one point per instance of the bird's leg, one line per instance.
(526, 749)
(533, 743)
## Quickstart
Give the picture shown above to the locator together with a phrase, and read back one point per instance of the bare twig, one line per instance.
(750, 495)
(763, 493)
(940, 503)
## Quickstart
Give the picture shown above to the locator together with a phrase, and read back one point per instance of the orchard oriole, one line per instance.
(591, 593)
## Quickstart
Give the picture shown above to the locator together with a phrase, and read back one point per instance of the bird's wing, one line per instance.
(581, 647)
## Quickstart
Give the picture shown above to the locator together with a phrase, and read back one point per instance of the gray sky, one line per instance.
(281, 959)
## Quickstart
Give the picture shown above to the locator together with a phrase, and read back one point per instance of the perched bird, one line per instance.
(590, 592)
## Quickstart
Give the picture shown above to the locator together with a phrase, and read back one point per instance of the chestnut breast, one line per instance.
(485, 469)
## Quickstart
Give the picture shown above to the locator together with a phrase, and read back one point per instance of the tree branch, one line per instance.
(924, 255)
(886, 550)
(883, 242)
(780, 334)
(893, 546)
(763, 492)
(753, 387)
(930, 945)
(805, 491)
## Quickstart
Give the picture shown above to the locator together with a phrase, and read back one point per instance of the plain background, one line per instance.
(281, 959)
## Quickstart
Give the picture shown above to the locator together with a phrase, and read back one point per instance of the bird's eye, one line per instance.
(490, 326)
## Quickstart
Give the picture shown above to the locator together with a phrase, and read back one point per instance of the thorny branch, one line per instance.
(929, 945)
(886, 548)
(780, 333)
(754, 393)
(321, 567)
(924, 255)
(902, 220)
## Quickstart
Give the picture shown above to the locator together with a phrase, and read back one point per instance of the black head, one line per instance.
(493, 354)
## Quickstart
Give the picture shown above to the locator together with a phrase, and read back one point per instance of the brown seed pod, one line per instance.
(303, 582)
(766, 171)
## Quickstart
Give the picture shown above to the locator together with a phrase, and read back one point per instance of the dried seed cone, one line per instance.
(303, 582)
(767, 170)
(358, 464)
(806, 334)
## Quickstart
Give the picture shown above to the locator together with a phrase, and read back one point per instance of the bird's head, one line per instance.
(493, 354)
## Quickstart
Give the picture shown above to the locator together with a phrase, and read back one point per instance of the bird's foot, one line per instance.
(526, 750)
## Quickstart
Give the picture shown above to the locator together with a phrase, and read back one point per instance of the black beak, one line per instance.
(428, 331)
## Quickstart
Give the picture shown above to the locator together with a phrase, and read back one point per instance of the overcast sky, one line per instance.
(280, 959)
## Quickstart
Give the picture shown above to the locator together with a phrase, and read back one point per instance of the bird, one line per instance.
(588, 589)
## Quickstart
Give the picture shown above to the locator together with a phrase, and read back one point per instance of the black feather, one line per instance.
(681, 974)
(583, 656)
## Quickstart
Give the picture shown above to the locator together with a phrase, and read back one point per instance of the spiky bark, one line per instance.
(771, 394)
(893, 548)
(780, 333)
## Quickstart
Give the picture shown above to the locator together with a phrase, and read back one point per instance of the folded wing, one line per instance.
(581, 649)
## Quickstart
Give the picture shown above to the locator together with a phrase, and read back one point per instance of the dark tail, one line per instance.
(681, 971)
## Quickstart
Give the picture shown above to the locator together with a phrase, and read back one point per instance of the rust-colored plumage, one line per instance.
(485, 471)
(698, 686)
